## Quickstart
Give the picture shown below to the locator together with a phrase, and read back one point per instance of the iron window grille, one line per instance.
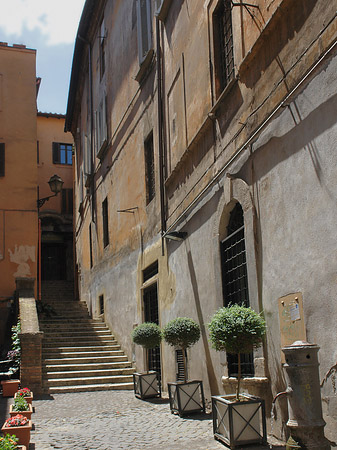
(151, 314)
(235, 280)
(180, 365)
(105, 223)
(149, 169)
(223, 34)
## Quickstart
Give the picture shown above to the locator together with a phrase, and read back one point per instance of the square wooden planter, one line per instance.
(239, 423)
(22, 433)
(28, 399)
(27, 414)
(186, 398)
(9, 387)
(147, 384)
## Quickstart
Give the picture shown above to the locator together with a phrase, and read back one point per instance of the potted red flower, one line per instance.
(19, 426)
(26, 393)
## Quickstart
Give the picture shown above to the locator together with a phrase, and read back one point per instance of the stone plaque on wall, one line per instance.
(292, 324)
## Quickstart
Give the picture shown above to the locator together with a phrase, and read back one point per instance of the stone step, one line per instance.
(95, 373)
(90, 388)
(86, 332)
(79, 353)
(70, 322)
(86, 366)
(54, 382)
(92, 324)
(97, 346)
(88, 359)
(102, 349)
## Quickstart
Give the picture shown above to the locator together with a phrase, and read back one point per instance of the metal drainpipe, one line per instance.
(160, 134)
(91, 140)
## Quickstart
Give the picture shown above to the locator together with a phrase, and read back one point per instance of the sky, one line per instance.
(50, 27)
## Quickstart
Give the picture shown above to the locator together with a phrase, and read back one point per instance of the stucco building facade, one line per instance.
(18, 181)
(213, 119)
(32, 149)
(55, 156)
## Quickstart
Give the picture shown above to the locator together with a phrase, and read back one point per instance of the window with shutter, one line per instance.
(67, 201)
(101, 128)
(144, 28)
(62, 153)
(2, 159)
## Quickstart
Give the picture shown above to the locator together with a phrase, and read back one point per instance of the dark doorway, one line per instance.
(53, 257)
(150, 298)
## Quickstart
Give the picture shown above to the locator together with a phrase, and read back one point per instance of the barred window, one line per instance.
(235, 280)
(223, 42)
(149, 169)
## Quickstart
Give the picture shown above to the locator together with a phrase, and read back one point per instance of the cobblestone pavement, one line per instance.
(116, 420)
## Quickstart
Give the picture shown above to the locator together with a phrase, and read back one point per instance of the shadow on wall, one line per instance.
(209, 364)
(270, 47)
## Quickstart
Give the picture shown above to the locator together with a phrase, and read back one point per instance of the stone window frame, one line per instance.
(236, 190)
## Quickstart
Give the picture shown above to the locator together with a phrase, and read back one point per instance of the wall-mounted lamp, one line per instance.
(55, 184)
(176, 235)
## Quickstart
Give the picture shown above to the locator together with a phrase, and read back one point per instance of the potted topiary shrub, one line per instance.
(19, 426)
(147, 384)
(238, 419)
(185, 396)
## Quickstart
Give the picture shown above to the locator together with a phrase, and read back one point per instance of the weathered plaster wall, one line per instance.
(294, 173)
(51, 129)
(18, 212)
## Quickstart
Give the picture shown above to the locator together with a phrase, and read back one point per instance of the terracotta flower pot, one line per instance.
(27, 414)
(28, 399)
(21, 432)
(9, 387)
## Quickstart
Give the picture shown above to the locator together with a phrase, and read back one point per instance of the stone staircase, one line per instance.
(79, 353)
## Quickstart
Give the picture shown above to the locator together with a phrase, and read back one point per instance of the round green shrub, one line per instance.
(147, 334)
(236, 329)
(181, 332)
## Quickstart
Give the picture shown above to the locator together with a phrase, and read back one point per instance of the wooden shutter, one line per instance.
(2, 160)
(56, 153)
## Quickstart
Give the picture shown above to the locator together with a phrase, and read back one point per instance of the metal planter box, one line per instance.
(147, 384)
(186, 398)
(239, 423)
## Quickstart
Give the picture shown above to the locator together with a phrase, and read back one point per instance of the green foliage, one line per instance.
(20, 404)
(181, 332)
(147, 334)
(16, 330)
(236, 329)
(8, 442)
(15, 353)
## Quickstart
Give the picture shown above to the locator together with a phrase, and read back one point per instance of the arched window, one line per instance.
(235, 279)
